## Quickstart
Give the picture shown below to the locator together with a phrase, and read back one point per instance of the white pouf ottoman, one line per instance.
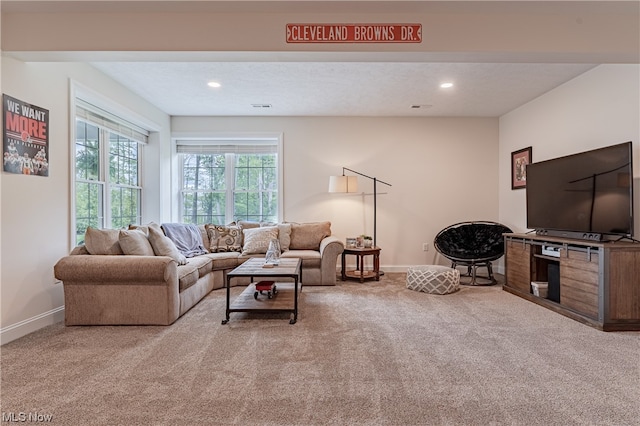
(434, 279)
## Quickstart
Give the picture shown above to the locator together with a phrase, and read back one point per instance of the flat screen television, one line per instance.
(588, 195)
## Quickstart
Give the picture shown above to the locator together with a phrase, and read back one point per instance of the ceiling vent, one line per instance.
(420, 106)
(261, 105)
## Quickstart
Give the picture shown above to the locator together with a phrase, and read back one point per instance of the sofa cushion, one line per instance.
(256, 240)
(102, 241)
(224, 238)
(163, 246)
(203, 263)
(310, 258)
(227, 260)
(135, 243)
(187, 276)
(307, 236)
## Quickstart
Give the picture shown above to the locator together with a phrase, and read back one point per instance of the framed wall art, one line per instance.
(25, 138)
(519, 161)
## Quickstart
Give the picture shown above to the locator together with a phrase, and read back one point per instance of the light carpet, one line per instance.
(360, 354)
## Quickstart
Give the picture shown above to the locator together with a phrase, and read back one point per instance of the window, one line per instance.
(124, 188)
(108, 190)
(222, 183)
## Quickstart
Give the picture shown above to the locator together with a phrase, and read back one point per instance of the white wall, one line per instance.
(443, 171)
(597, 109)
(36, 210)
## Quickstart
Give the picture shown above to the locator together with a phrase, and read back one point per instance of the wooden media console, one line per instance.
(596, 283)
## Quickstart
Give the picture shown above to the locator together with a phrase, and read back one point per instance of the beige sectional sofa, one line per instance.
(138, 276)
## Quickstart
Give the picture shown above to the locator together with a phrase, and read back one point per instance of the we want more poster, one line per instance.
(26, 138)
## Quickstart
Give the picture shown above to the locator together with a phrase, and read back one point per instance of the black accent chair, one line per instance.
(474, 245)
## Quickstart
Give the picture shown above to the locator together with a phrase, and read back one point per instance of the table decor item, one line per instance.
(272, 257)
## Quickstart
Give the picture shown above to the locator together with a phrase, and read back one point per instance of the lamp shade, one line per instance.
(343, 183)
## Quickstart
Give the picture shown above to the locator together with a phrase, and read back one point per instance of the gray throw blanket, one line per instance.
(186, 237)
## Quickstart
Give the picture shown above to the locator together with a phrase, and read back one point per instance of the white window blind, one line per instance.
(224, 147)
(104, 119)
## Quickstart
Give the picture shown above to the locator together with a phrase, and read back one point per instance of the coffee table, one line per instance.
(282, 300)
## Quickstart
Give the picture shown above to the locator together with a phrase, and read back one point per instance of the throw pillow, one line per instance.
(142, 228)
(245, 224)
(102, 241)
(204, 237)
(163, 246)
(284, 235)
(307, 236)
(135, 242)
(256, 240)
(224, 238)
(79, 250)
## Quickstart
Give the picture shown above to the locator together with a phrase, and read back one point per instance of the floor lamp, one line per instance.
(350, 184)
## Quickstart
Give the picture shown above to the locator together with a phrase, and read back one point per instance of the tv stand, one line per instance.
(594, 282)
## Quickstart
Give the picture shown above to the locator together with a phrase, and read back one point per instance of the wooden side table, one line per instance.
(359, 273)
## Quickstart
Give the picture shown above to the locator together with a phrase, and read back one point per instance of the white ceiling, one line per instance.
(310, 88)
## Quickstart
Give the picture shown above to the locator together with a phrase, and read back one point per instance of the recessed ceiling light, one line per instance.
(213, 84)
(446, 85)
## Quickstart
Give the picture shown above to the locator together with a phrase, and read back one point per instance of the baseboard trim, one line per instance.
(382, 268)
(394, 269)
(22, 328)
(499, 269)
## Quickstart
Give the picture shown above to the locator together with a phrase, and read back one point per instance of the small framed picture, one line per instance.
(351, 243)
(519, 161)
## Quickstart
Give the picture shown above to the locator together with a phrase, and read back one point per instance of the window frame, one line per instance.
(105, 216)
(110, 186)
(79, 96)
(273, 139)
